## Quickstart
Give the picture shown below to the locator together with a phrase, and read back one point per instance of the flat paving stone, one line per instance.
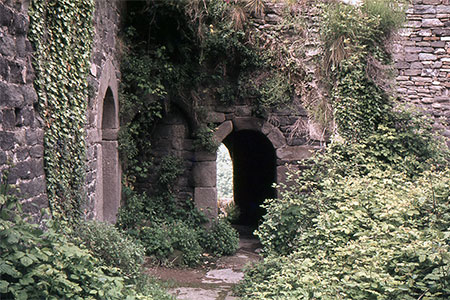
(187, 293)
(224, 276)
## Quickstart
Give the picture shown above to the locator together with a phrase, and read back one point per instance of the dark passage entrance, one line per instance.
(254, 172)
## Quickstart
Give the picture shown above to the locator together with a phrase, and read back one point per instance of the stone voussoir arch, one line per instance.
(204, 171)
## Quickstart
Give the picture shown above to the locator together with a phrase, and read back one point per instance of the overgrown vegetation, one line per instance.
(38, 264)
(369, 217)
(62, 61)
(172, 233)
(190, 52)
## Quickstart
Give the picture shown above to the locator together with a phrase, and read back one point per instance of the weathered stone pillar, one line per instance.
(111, 180)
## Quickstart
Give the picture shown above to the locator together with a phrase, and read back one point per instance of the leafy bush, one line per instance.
(379, 236)
(368, 218)
(174, 241)
(221, 238)
(37, 264)
(156, 241)
(186, 240)
(110, 246)
(282, 225)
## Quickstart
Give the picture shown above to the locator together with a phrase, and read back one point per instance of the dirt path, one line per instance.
(215, 279)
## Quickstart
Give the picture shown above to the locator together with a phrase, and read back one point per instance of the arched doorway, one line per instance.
(254, 173)
(110, 167)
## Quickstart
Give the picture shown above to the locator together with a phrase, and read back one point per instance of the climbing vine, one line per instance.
(377, 131)
(62, 34)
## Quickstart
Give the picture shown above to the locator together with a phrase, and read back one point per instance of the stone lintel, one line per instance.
(215, 117)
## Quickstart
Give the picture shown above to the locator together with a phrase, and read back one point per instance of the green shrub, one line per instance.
(172, 242)
(186, 239)
(379, 236)
(132, 213)
(282, 225)
(110, 246)
(156, 241)
(221, 238)
(37, 264)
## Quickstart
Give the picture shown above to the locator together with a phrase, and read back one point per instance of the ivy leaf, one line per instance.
(3, 286)
(26, 261)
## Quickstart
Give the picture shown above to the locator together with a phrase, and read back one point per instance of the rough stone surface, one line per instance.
(204, 174)
(103, 79)
(206, 201)
(293, 153)
(21, 135)
(422, 58)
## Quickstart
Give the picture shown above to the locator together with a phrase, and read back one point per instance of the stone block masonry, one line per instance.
(103, 189)
(422, 58)
(21, 133)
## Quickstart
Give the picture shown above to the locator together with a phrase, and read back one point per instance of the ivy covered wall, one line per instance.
(77, 79)
(61, 32)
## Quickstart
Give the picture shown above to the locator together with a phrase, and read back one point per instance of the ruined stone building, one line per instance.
(422, 61)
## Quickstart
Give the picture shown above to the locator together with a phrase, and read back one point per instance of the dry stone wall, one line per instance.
(21, 133)
(422, 58)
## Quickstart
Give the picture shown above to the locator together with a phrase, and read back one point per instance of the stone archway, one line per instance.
(252, 143)
(109, 180)
(254, 173)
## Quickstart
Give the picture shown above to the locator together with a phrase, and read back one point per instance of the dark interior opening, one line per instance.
(254, 172)
(109, 111)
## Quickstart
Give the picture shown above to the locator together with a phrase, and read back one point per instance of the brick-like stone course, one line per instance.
(422, 58)
(21, 133)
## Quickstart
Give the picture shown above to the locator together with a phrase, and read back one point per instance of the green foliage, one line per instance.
(379, 236)
(110, 246)
(368, 218)
(283, 224)
(221, 238)
(169, 231)
(270, 90)
(169, 170)
(204, 139)
(142, 93)
(172, 234)
(37, 264)
(347, 29)
(354, 37)
(391, 14)
(355, 98)
(173, 242)
(62, 34)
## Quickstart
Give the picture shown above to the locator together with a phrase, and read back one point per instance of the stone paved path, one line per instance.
(215, 279)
